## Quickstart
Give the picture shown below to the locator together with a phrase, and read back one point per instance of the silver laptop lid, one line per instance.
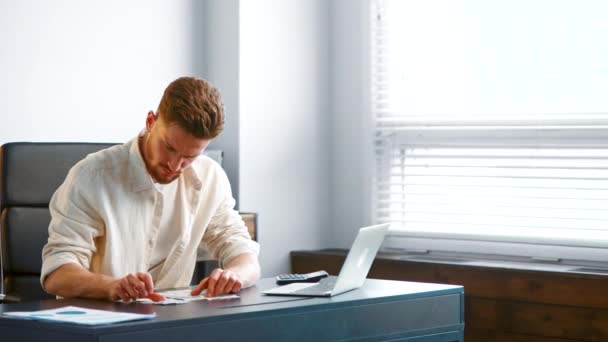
(360, 258)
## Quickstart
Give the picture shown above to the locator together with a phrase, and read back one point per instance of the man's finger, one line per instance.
(156, 297)
(123, 294)
(127, 289)
(146, 278)
(222, 283)
(200, 287)
(236, 287)
(212, 282)
(137, 285)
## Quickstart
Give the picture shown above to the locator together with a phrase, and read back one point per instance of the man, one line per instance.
(129, 219)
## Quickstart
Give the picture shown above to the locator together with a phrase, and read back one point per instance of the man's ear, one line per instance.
(150, 120)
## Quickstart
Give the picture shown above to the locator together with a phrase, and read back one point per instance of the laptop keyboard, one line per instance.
(320, 288)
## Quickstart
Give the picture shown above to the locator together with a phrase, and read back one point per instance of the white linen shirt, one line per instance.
(103, 213)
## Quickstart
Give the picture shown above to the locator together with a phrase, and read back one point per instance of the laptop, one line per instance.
(353, 273)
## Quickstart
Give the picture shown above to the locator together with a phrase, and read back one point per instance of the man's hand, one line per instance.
(241, 272)
(72, 280)
(219, 282)
(134, 286)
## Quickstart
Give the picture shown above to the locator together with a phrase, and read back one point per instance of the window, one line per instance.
(491, 125)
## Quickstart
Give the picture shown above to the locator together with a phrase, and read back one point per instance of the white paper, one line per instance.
(78, 315)
(183, 296)
(167, 301)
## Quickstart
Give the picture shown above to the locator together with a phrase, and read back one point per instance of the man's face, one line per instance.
(168, 149)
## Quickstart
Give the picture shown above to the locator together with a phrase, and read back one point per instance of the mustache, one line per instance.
(169, 170)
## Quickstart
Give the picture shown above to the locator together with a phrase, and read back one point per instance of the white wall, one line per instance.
(89, 70)
(220, 62)
(351, 136)
(284, 125)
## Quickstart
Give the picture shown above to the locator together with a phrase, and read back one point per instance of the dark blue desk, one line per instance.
(380, 310)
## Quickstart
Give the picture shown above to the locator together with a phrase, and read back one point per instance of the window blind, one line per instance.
(491, 124)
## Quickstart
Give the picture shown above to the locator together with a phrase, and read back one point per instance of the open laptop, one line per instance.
(353, 273)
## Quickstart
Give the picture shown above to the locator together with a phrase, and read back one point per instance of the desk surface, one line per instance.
(378, 310)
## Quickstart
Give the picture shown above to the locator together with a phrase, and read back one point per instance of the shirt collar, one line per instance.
(140, 178)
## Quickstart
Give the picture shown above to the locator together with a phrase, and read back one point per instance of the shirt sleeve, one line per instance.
(227, 236)
(74, 226)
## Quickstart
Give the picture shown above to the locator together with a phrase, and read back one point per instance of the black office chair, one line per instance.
(29, 175)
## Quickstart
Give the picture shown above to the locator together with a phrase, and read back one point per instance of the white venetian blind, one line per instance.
(491, 119)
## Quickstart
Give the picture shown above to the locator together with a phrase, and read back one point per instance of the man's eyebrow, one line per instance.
(173, 148)
(168, 145)
(192, 156)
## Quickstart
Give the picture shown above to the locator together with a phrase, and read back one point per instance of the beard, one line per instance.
(159, 173)
(162, 175)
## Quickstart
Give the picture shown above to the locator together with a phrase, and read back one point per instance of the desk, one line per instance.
(380, 310)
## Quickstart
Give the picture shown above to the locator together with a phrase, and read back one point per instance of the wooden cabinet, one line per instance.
(251, 221)
(501, 304)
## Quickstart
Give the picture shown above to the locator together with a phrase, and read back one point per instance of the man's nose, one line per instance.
(175, 164)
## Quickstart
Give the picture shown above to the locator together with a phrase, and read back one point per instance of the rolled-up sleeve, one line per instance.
(227, 236)
(74, 224)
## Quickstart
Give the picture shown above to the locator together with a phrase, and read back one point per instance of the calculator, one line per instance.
(313, 277)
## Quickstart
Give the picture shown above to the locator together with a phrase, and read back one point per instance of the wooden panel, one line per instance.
(471, 335)
(535, 286)
(303, 262)
(536, 319)
(488, 282)
(251, 221)
(500, 304)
